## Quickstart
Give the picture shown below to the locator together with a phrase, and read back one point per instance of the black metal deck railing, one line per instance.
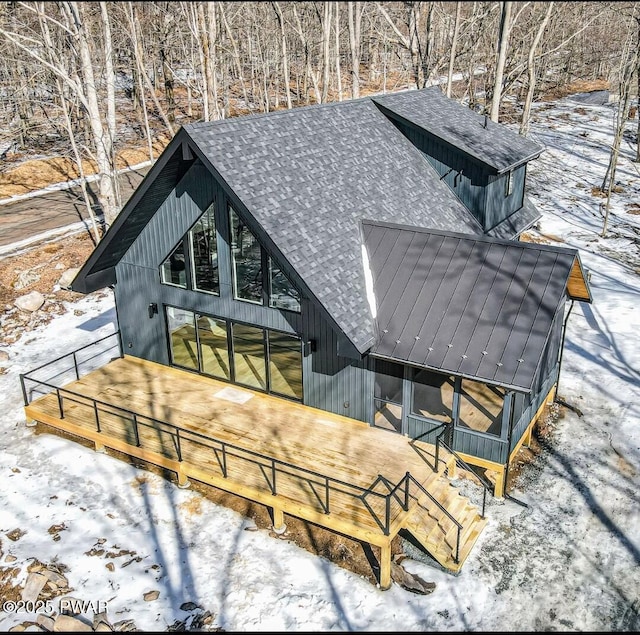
(390, 503)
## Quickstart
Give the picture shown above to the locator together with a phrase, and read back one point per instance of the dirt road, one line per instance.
(29, 217)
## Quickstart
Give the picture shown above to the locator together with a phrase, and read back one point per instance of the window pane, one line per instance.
(182, 335)
(285, 364)
(432, 395)
(204, 249)
(388, 381)
(282, 294)
(248, 356)
(247, 261)
(173, 270)
(213, 347)
(481, 407)
(388, 416)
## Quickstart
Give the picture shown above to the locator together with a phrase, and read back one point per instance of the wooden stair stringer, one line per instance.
(435, 531)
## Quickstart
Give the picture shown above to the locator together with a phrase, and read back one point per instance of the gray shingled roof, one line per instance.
(429, 109)
(471, 306)
(308, 176)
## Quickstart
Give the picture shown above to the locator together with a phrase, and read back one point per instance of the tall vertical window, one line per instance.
(285, 364)
(246, 255)
(249, 356)
(282, 294)
(174, 268)
(182, 338)
(387, 395)
(204, 253)
(508, 183)
(214, 352)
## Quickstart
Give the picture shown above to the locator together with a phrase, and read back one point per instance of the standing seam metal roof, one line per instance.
(472, 306)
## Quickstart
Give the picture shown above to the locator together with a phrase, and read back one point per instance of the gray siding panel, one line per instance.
(331, 381)
(464, 177)
(180, 210)
(499, 206)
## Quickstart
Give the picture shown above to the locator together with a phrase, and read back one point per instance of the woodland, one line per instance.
(85, 81)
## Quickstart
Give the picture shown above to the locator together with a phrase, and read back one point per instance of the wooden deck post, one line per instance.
(277, 516)
(498, 490)
(385, 566)
(99, 447)
(183, 481)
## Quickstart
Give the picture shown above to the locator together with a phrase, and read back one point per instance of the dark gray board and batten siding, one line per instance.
(332, 383)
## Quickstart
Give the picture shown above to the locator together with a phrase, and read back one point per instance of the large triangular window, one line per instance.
(198, 271)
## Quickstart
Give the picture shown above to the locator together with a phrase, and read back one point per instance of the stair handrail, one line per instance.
(409, 477)
(486, 485)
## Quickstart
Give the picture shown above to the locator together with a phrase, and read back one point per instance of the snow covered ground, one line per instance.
(570, 561)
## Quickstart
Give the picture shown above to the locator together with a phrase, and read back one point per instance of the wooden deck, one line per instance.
(325, 468)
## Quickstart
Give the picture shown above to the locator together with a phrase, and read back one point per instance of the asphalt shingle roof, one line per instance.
(489, 142)
(471, 306)
(310, 175)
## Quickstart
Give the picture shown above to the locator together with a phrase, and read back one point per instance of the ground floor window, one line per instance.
(432, 395)
(481, 407)
(252, 356)
(387, 395)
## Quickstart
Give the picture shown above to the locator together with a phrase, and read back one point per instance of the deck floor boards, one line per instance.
(304, 437)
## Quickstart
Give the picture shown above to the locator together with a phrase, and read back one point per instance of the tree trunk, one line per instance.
(326, 59)
(531, 68)
(454, 44)
(283, 49)
(503, 45)
(355, 20)
(337, 34)
(103, 147)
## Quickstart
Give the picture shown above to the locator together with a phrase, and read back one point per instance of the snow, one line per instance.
(570, 561)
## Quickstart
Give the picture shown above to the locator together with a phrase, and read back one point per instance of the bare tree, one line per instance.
(454, 44)
(354, 10)
(503, 45)
(531, 69)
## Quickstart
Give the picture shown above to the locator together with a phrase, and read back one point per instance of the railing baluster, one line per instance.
(406, 491)
(135, 429)
(75, 365)
(96, 415)
(387, 514)
(273, 476)
(60, 403)
(224, 460)
(24, 390)
(326, 495)
(179, 448)
(457, 558)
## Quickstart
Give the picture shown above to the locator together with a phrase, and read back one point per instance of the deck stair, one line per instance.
(436, 532)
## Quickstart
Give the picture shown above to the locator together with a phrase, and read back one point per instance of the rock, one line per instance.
(410, 581)
(124, 626)
(110, 566)
(18, 628)
(55, 578)
(4, 356)
(45, 621)
(10, 558)
(35, 583)
(15, 534)
(67, 277)
(69, 624)
(189, 606)
(101, 623)
(149, 596)
(25, 279)
(30, 302)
